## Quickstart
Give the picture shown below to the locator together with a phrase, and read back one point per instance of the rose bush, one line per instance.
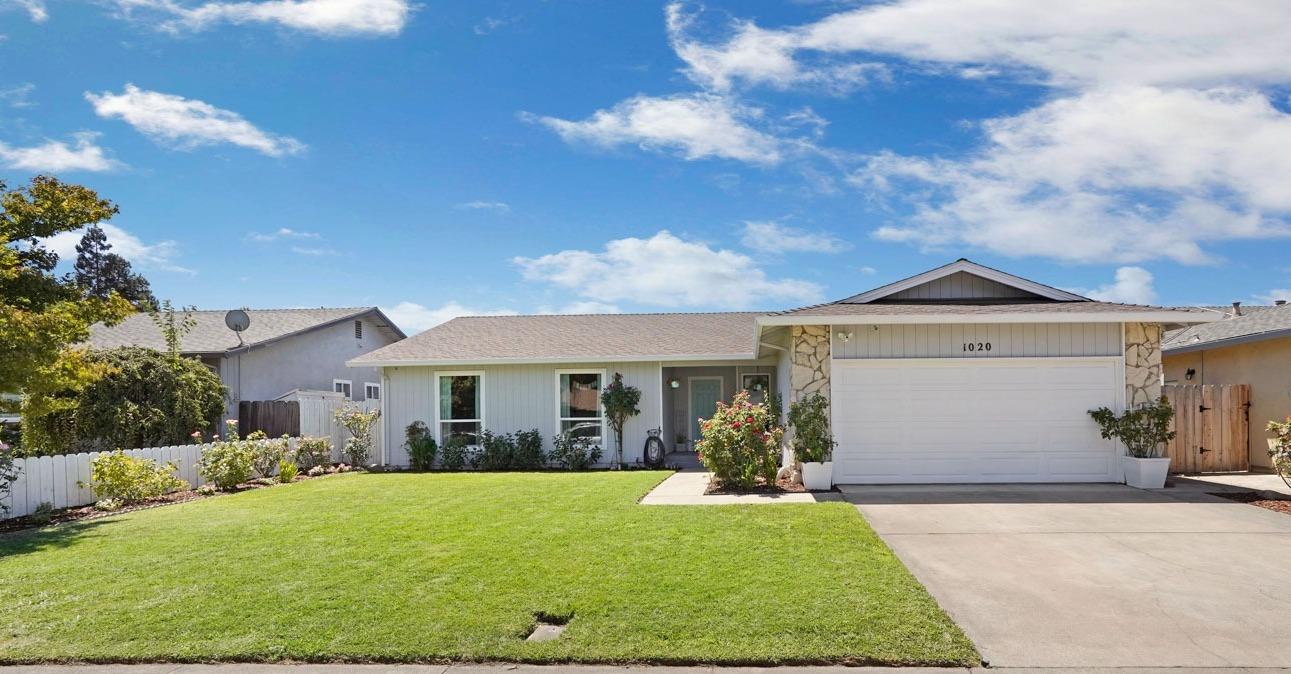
(1280, 448)
(740, 443)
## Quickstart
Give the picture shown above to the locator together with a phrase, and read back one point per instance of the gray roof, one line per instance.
(846, 309)
(211, 335)
(1255, 323)
(574, 338)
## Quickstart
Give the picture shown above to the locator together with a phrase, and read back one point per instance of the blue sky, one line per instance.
(445, 158)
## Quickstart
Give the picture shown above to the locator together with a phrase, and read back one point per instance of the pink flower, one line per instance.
(738, 424)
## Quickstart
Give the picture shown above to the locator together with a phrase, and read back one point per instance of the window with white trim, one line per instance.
(371, 391)
(757, 384)
(578, 402)
(343, 386)
(461, 406)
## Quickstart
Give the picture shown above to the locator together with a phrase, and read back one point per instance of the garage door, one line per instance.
(988, 420)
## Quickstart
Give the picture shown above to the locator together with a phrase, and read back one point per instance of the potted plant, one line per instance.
(1144, 431)
(1280, 448)
(813, 444)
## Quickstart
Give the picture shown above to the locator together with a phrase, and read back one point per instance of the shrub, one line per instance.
(620, 402)
(528, 451)
(287, 471)
(108, 504)
(229, 463)
(574, 453)
(359, 423)
(42, 515)
(421, 446)
(1144, 429)
(8, 473)
(117, 476)
(311, 452)
(269, 454)
(453, 455)
(1280, 450)
(740, 443)
(497, 451)
(316, 471)
(812, 440)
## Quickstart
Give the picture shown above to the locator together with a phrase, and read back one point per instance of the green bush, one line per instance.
(229, 463)
(311, 452)
(421, 446)
(497, 451)
(741, 443)
(144, 399)
(268, 454)
(1144, 430)
(574, 453)
(359, 423)
(42, 515)
(117, 476)
(287, 471)
(8, 474)
(453, 455)
(812, 440)
(528, 451)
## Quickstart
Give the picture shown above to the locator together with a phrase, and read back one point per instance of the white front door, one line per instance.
(947, 420)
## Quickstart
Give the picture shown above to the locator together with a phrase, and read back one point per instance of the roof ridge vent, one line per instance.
(1237, 309)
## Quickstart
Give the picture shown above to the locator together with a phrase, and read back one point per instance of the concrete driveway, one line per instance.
(1097, 575)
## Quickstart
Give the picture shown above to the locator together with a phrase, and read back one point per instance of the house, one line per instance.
(1249, 345)
(960, 374)
(282, 350)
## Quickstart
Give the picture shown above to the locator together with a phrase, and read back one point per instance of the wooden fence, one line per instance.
(1211, 424)
(275, 417)
(317, 420)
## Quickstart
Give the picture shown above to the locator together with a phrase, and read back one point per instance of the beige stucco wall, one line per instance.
(1265, 366)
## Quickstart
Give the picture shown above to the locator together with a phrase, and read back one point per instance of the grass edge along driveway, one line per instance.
(440, 567)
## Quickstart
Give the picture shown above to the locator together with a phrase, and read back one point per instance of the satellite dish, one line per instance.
(237, 320)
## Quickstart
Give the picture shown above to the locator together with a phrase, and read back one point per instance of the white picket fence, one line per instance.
(64, 480)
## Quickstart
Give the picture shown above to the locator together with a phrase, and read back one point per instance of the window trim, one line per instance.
(348, 383)
(600, 407)
(372, 384)
(439, 438)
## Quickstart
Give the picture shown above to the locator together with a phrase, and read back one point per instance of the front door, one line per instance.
(704, 394)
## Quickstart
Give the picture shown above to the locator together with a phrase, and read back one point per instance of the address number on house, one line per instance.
(970, 347)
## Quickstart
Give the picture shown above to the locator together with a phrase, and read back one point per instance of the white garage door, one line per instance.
(979, 420)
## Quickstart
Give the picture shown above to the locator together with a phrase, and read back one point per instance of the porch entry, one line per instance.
(705, 392)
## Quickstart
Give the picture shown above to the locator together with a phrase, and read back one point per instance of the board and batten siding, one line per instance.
(517, 398)
(1007, 340)
(959, 286)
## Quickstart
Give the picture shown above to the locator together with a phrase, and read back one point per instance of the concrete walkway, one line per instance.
(1097, 575)
(1267, 482)
(687, 487)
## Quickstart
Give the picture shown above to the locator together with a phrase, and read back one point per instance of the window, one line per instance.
(358, 329)
(578, 404)
(343, 386)
(371, 391)
(461, 406)
(757, 384)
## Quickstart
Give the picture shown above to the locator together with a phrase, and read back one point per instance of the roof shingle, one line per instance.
(1270, 321)
(211, 335)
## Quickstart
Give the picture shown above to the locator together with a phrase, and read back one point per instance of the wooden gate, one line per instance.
(1211, 427)
(274, 417)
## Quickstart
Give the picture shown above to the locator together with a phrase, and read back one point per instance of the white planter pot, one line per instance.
(818, 475)
(1145, 473)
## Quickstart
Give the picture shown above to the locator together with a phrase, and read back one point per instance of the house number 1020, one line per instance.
(977, 346)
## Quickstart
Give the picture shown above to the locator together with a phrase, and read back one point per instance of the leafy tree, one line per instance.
(173, 331)
(143, 399)
(101, 272)
(620, 402)
(41, 314)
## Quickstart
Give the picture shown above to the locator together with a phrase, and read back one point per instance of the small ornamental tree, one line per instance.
(359, 423)
(620, 403)
(740, 443)
(1279, 449)
(1144, 430)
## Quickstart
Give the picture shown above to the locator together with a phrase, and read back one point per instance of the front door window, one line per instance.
(704, 394)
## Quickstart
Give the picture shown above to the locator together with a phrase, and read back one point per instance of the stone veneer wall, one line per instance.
(1143, 373)
(810, 359)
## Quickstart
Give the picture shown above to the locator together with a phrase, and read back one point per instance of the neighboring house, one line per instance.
(1250, 345)
(283, 349)
(960, 374)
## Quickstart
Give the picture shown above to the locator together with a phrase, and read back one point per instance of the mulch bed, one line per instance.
(783, 486)
(1281, 505)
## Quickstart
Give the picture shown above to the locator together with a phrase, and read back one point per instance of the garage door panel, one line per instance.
(991, 420)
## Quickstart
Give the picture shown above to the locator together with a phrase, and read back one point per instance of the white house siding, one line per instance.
(517, 398)
(1007, 340)
(959, 286)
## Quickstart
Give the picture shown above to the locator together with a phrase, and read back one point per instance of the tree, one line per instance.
(143, 399)
(620, 402)
(101, 272)
(41, 314)
(171, 330)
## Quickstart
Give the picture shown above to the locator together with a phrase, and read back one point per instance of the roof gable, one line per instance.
(964, 281)
(209, 334)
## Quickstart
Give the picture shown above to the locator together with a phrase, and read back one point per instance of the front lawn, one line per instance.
(417, 567)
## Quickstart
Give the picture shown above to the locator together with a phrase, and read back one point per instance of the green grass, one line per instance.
(430, 567)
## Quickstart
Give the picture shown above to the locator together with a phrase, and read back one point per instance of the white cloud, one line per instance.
(1274, 295)
(1122, 174)
(187, 123)
(1161, 42)
(315, 251)
(56, 156)
(696, 126)
(35, 9)
(18, 96)
(868, 271)
(282, 233)
(495, 206)
(413, 318)
(665, 270)
(322, 17)
(772, 237)
(159, 255)
(1133, 285)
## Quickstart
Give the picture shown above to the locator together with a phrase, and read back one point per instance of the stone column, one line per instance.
(810, 361)
(1143, 373)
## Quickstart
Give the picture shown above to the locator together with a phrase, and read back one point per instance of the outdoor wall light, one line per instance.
(843, 336)
(674, 383)
(1189, 374)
